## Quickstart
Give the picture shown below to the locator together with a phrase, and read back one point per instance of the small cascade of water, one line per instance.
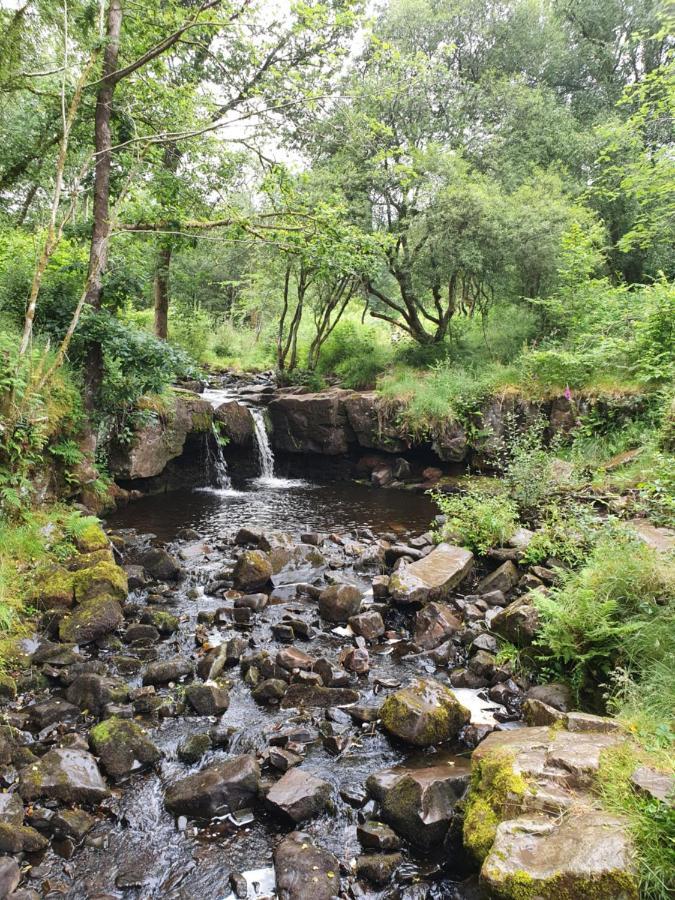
(265, 455)
(215, 460)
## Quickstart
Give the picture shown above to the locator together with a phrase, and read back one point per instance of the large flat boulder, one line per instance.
(433, 577)
(588, 854)
(424, 713)
(163, 439)
(299, 795)
(218, 789)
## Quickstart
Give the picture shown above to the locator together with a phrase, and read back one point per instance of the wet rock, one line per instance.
(299, 795)
(368, 624)
(380, 585)
(587, 854)
(419, 802)
(292, 658)
(357, 660)
(331, 675)
(141, 634)
(518, 622)
(374, 835)
(49, 712)
(11, 809)
(587, 722)
(135, 576)
(431, 578)
(303, 871)
(283, 633)
(252, 571)
(559, 696)
(122, 746)
(311, 695)
(311, 423)
(239, 885)
(10, 876)
(254, 602)
(423, 714)
(247, 536)
(207, 699)
(71, 776)
(434, 624)
(227, 655)
(503, 579)
(482, 664)
(271, 690)
(160, 564)
(92, 693)
(166, 623)
(218, 789)
(193, 748)
(236, 423)
(378, 868)
(165, 670)
(91, 620)
(283, 760)
(20, 839)
(339, 601)
(494, 598)
(73, 823)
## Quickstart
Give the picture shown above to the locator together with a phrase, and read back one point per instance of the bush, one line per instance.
(615, 612)
(191, 329)
(566, 533)
(356, 354)
(477, 520)
(528, 466)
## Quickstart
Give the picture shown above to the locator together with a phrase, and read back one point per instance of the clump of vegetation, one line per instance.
(651, 822)
(565, 531)
(477, 519)
(615, 612)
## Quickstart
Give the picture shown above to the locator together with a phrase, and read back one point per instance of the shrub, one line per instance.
(477, 520)
(356, 354)
(616, 611)
(528, 466)
(566, 533)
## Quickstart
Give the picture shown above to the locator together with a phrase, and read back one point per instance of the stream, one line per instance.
(138, 849)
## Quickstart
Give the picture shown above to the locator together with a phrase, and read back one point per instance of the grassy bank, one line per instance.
(42, 538)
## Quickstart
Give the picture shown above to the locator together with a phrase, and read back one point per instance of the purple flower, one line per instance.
(568, 392)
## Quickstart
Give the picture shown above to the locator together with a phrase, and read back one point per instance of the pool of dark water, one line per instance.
(281, 504)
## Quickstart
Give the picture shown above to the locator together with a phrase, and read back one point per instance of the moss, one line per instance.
(90, 538)
(7, 687)
(164, 622)
(494, 784)
(121, 744)
(91, 620)
(520, 885)
(53, 586)
(103, 578)
(409, 715)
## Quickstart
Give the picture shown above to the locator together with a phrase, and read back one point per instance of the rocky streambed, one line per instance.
(216, 709)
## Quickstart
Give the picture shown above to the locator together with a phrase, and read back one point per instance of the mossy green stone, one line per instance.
(493, 783)
(103, 578)
(91, 620)
(423, 714)
(121, 744)
(91, 537)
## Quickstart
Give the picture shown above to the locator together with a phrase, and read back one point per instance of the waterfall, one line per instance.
(265, 455)
(215, 460)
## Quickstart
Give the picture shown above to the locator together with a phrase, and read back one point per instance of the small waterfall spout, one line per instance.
(215, 460)
(265, 455)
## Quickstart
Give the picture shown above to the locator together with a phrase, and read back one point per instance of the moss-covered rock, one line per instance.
(165, 622)
(91, 538)
(123, 746)
(53, 588)
(91, 620)
(424, 713)
(587, 854)
(103, 578)
(193, 748)
(494, 784)
(69, 775)
(20, 838)
(252, 571)
(7, 687)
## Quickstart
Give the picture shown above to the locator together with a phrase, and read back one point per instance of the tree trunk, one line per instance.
(98, 254)
(161, 292)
